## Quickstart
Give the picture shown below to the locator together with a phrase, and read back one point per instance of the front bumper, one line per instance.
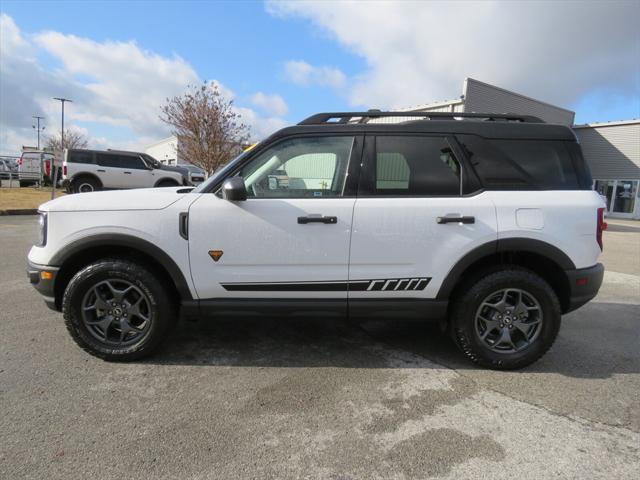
(584, 284)
(43, 278)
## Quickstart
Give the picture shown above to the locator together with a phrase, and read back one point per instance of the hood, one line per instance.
(136, 199)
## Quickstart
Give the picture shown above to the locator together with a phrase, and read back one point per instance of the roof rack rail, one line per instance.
(364, 117)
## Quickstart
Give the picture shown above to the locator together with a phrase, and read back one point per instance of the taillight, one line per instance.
(600, 227)
(47, 167)
(64, 170)
(19, 162)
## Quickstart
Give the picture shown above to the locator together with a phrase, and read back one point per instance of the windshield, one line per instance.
(213, 179)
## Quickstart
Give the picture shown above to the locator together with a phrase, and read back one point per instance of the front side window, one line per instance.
(128, 161)
(415, 166)
(300, 168)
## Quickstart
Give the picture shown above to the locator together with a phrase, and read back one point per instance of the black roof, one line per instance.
(488, 125)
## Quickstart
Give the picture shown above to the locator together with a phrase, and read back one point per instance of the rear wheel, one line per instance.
(117, 310)
(85, 184)
(506, 320)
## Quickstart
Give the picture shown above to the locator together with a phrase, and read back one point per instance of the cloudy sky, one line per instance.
(283, 60)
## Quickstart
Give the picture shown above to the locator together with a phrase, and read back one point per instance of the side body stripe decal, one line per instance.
(391, 284)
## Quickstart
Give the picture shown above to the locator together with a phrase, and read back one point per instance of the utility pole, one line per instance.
(62, 100)
(38, 118)
(54, 172)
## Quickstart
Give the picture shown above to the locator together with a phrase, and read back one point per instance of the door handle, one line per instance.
(466, 220)
(103, 171)
(317, 219)
(127, 173)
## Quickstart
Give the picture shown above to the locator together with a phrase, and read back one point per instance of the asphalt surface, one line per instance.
(307, 398)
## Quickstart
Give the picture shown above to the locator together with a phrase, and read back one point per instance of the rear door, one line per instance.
(413, 219)
(109, 171)
(30, 166)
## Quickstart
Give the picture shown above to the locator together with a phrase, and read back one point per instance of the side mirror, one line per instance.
(234, 190)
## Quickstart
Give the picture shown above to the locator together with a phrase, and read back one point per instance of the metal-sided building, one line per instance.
(611, 149)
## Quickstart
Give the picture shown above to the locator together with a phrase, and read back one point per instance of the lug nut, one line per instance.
(109, 312)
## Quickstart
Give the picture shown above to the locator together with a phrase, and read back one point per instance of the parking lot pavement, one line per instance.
(307, 398)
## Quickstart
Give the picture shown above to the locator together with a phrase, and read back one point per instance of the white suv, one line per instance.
(484, 222)
(92, 170)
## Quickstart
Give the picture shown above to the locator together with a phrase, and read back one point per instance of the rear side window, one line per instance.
(521, 164)
(415, 166)
(119, 161)
(80, 157)
(106, 160)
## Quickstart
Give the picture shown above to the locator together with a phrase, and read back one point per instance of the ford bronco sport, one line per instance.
(484, 222)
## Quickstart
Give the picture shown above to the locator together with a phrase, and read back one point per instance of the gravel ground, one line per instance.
(307, 398)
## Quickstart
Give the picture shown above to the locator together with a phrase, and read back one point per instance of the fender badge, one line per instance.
(215, 254)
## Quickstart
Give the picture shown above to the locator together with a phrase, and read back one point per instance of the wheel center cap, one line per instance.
(507, 320)
(117, 311)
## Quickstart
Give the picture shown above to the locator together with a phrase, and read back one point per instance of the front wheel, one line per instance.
(506, 320)
(117, 310)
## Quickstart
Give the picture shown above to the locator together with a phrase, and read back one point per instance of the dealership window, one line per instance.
(621, 196)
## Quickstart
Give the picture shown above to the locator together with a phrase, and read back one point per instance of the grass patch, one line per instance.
(27, 197)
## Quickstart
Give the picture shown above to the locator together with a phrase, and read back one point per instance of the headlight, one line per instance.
(42, 230)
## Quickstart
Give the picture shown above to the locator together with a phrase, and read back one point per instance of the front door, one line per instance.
(135, 173)
(290, 239)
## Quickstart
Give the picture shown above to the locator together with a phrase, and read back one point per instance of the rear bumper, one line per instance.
(584, 284)
(44, 282)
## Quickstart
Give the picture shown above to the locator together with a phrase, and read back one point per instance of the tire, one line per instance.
(85, 184)
(25, 183)
(136, 323)
(166, 183)
(505, 320)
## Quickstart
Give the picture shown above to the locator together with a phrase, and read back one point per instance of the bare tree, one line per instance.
(209, 131)
(72, 139)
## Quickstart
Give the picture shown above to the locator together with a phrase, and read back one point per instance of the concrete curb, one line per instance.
(19, 211)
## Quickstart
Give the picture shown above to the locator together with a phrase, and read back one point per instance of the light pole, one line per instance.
(38, 127)
(54, 176)
(62, 100)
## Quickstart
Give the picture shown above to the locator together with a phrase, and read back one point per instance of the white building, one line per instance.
(165, 151)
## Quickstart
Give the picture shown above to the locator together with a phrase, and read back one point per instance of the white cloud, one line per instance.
(421, 51)
(127, 84)
(302, 73)
(270, 104)
(261, 127)
(114, 84)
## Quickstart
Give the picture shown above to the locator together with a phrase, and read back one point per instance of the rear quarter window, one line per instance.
(80, 157)
(521, 164)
